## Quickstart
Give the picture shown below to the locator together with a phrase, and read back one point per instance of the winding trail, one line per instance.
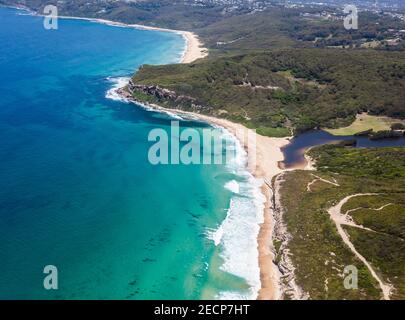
(317, 178)
(341, 219)
(378, 209)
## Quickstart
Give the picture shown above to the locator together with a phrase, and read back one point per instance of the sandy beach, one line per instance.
(194, 48)
(263, 163)
(264, 166)
(263, 158)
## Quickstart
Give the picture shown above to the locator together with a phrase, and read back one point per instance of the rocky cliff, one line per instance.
(169, 98)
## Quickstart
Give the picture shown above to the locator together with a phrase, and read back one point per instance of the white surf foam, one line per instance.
(118, 83)
(232, 186)
(170, 114)
(216, 234)
(185, 48)
(24, 13)
(237, 234)
(121, 82)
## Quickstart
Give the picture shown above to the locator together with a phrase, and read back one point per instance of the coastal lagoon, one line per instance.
(295, 150)
(77, 190)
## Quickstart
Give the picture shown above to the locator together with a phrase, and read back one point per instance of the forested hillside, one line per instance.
(281, 27)
(161, 13)
(239, 28)
(289, 88)
(313, 72)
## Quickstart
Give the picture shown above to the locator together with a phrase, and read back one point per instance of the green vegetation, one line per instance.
(318, 253)
(294, 87)
(280, 27)
(283, 71)
(375, 163)
(384, 134)
(273, 132)
(159, 13)
(385, 251)
(240, 28)
(365, 122)
(379, 171)
(297, 89)
(140, 96)
(379, 213)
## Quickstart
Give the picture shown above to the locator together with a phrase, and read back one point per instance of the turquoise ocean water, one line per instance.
(77, 190)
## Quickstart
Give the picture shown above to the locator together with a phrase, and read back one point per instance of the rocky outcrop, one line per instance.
(182, 102)
(289, 287)
(155, 91)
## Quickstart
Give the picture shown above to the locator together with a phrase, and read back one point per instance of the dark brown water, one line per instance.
(294, 152)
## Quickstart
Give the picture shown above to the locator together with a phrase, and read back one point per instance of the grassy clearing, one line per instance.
(273, 132)
(365, 122)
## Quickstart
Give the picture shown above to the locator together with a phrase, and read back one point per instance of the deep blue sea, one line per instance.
(77, 190)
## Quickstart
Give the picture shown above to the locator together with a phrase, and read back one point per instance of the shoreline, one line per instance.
(267, 156)
(266, 159)
(194, 47)
(266, 165)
